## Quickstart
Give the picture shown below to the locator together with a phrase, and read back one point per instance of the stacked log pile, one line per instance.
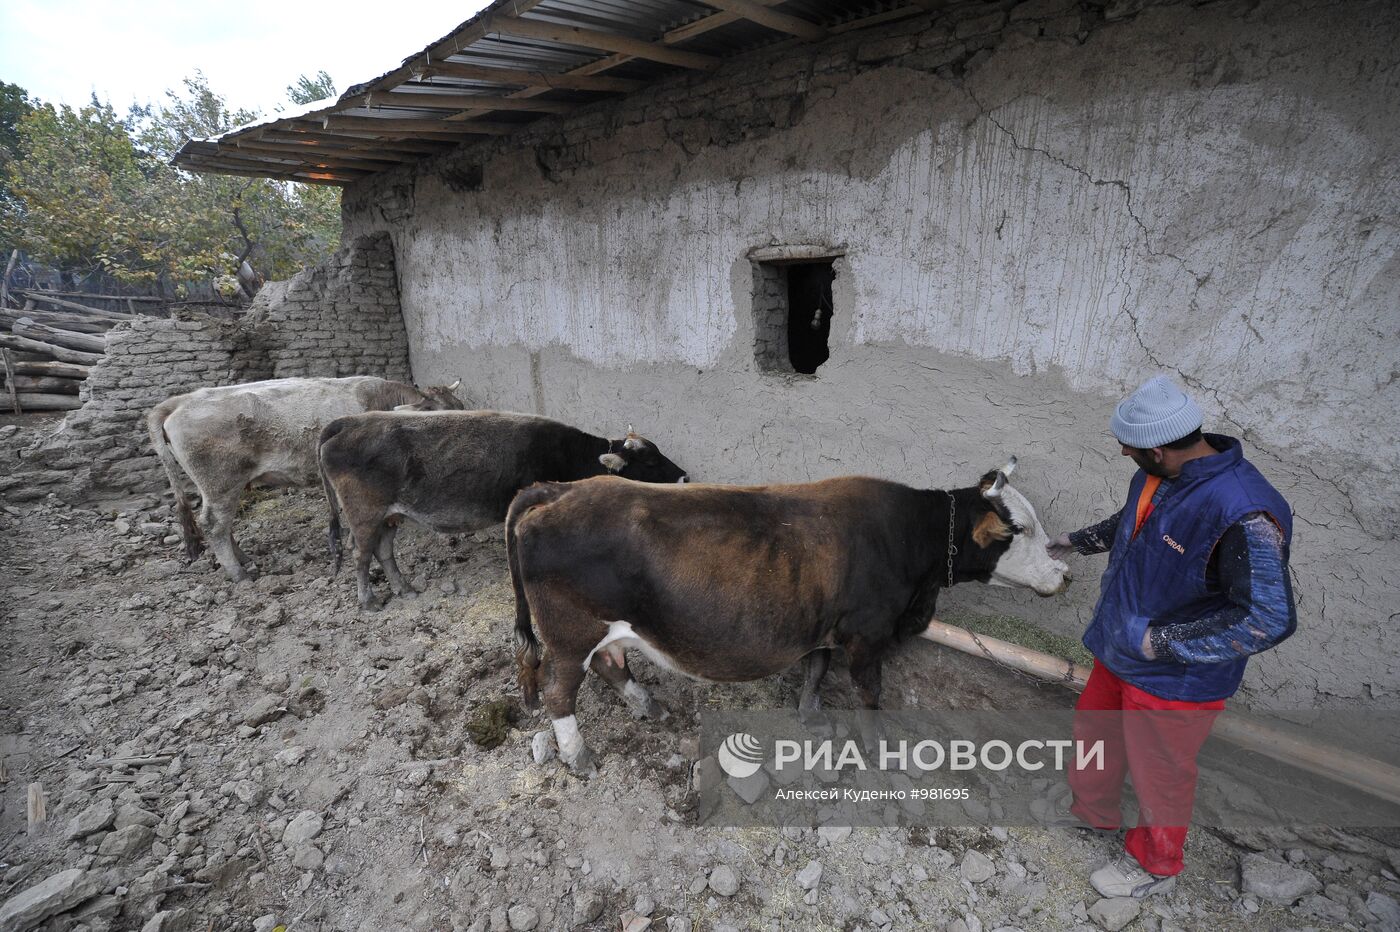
(47, 349)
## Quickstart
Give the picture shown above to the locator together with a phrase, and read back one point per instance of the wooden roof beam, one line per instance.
(421, 127)
(773, 19)
(356, 142)
(599, 41)
(324, 155)
(541, 80)
(708, 24)
(306, 176)
(424, 101)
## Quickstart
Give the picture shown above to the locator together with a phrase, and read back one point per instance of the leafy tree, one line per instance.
(305, 90)
(94, 191)
(14, 106)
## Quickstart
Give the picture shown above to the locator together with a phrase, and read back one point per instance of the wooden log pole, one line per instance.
(1371, 776)
(64, 370)
(75, 306)
(9, 366)
(87, 342)
(61, 353)
(60, 319)
(43, 384)
(5, 282)
(48, 402)
(36, 811)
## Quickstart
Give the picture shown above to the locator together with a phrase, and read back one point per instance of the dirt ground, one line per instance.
(221, 757)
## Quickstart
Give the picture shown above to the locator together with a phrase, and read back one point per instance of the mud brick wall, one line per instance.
(338, 318)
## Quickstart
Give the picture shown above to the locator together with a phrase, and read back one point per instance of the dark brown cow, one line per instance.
(456, 471)
(728, 583)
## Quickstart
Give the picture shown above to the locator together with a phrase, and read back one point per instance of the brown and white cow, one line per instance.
(727, 583)
(260, 433)
(456, 471)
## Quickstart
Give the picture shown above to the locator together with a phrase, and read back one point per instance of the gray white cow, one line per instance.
(456, 471)
(260, 433)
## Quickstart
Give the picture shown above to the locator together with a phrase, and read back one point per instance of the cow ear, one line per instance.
(989, 528)
(613, 462)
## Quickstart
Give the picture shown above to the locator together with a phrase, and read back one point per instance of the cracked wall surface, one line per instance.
(1039, 204)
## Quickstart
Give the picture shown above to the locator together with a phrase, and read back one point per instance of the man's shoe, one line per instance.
(1056, 813)
(1126, 877)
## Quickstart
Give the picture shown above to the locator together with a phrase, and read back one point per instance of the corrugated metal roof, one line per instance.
(515, 62)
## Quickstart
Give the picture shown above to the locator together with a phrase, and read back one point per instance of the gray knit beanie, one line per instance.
(1156, 414)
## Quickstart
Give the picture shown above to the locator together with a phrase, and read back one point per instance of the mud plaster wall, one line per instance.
(337, 318)
(1040, 205)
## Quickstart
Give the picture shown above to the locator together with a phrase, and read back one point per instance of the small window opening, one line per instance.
(792, 315)
(809, 315)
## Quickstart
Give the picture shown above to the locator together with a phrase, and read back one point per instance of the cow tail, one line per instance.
(527, 647)
(155, 426)
(332, 503)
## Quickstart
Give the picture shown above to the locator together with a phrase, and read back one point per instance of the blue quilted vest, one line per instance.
(1159, 575)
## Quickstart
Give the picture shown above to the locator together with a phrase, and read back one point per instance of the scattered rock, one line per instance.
(303, 828)
(542, 747)
(810, 876)
(169, 920)
(1115, 912)
(1275, 882)
(265, 923)
(750, 788)
(135, 815)
(588, 906)
(94, 818)
(976, 867)
(57, 894)
(831, 834)
(265, 710)
(523, 918)
(126, 842)
(1385, 909)
(307, 858)
(723, 881)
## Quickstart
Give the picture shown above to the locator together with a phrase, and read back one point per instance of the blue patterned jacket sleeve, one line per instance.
(1253, 575)
(1096, 538)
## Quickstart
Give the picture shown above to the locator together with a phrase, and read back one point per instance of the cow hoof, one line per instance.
(581, 763)
(409, 593)
(371, 607)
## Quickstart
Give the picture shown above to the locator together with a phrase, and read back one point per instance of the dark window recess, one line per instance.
(809, 315)
(792, 315)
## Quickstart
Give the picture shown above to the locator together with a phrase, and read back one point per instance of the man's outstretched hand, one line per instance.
(1060, 547)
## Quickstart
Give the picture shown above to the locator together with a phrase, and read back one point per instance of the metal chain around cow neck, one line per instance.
(952, 537)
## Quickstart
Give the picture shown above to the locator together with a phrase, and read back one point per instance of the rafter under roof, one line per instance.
(516, 62)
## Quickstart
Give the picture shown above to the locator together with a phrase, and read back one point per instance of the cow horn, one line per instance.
(994, 490)
(1009, 468)
(613, 462)
(453, 386)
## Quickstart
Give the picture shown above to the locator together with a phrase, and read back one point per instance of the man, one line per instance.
(1197, 581)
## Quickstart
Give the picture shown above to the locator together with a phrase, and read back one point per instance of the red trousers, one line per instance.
(1156, 741)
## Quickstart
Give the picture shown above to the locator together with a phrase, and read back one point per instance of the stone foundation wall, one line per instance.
(336, 319)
